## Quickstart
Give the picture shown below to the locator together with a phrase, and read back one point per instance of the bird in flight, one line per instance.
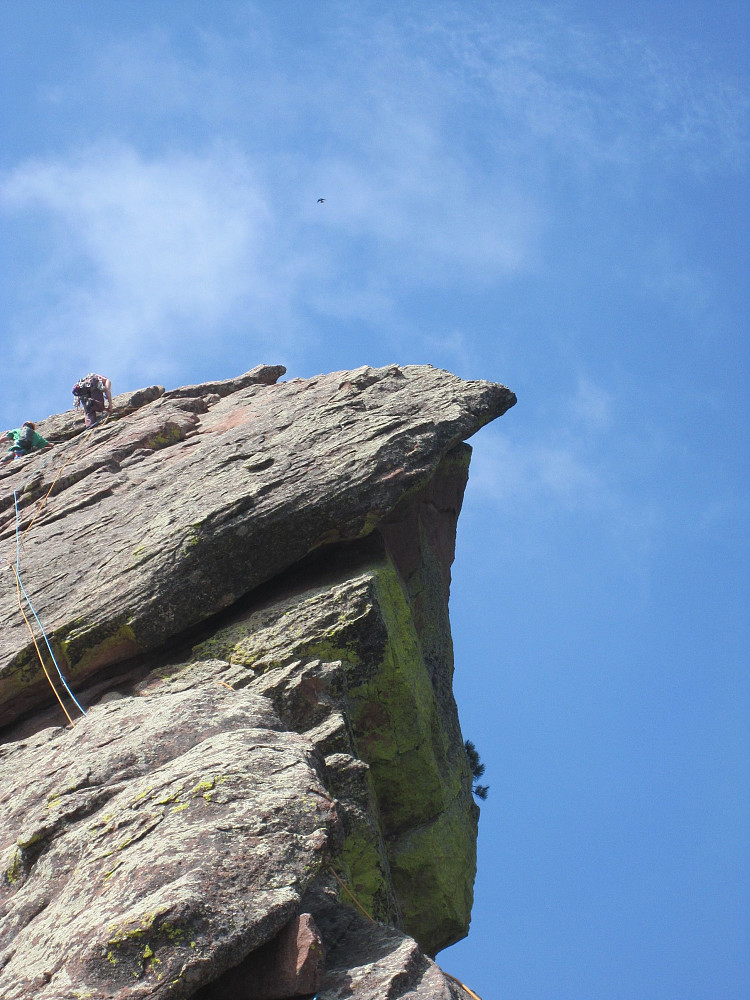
(321, 200)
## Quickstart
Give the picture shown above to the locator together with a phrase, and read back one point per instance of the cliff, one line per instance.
(261, 789)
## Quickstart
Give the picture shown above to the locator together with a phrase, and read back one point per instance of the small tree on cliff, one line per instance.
(477, 770)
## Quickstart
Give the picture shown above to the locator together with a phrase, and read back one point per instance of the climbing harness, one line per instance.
(26, 437)
(88, 392)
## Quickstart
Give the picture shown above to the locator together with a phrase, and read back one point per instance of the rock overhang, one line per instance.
(167, 515)
(298, 537)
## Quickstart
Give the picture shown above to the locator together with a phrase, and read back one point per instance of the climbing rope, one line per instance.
(41, 503)
(349, 893)
(462, 985)
(20, 588)
(36, 647)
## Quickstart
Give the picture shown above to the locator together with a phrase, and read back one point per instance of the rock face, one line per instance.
(245, 585)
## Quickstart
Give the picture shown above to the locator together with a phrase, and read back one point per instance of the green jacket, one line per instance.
(37, 441)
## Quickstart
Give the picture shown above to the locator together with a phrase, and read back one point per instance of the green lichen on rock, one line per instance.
(168, 434)
(169, 797)
(206, 787)
(317, 624)
(108, 875)
(362, 863)
(137, 940)
(398, 731)
(191, 540)
(15, 871)
(224, 645)
(23, 675)
(203, 786)
(429, 867)
(141, 555)
(34, 838)
(89, 645)
(395, 717)
(364, 621)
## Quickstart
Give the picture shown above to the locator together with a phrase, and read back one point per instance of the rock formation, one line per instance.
(245, 587)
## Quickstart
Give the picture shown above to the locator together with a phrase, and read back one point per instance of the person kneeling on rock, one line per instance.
(24, 440)
(89, 393)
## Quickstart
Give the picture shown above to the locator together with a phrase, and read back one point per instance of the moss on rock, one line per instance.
(364, 622)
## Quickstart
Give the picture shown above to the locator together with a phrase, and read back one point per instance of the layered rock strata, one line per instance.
(245, 583)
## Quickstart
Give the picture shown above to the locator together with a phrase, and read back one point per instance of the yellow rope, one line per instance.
(43, 501)
(462, 985)
(40, 507)
(349, 893)
(36, 646)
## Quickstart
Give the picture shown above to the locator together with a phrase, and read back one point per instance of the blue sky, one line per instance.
(553, 196)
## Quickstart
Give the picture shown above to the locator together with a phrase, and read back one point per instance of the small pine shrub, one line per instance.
(477, 770)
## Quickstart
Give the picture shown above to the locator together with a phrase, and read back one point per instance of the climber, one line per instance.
(89, 393)
(24, 440)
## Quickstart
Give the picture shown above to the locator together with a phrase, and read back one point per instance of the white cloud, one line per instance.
(372, 122)
(432, 135)
(148, 253)
(567, 459)
(145, 252)
(591, 407)
(690, 289)
(522, 473)
(599, 100)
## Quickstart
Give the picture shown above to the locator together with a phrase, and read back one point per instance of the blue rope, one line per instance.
(28, 601)
(18, 537)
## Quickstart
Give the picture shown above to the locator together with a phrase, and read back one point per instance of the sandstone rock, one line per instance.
(369, 961)
(266, 475)
(348, 649)
(262, 375)
(246, 584)
(291, 965)
(161, 840)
